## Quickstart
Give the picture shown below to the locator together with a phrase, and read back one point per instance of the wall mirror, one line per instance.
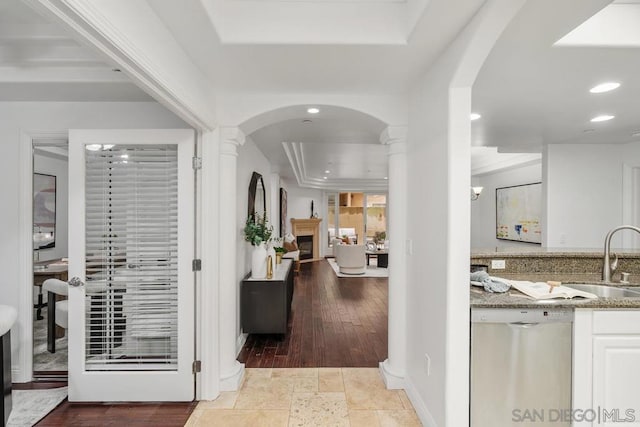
(257, 198)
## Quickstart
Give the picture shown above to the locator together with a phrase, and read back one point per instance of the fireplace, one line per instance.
(307, 232)
(305, 244)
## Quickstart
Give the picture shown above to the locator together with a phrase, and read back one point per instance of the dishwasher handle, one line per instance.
(524, 324)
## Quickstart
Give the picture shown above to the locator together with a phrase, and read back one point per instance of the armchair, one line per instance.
(351, 258)
(57, 311)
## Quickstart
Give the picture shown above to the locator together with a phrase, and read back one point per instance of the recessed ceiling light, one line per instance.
(324, 177)
(602, 118)
(327, 171)
(313, 110)
(386, 177)
(93, 147)
(474, 116)
(604, 87)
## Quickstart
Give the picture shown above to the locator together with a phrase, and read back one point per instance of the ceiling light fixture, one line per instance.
(327, 171)
(386, 177)
(602, 118)
(313, 110)
(474, 116)
(324, 177)
(605, 87)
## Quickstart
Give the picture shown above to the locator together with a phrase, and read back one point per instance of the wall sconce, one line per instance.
(475, 192)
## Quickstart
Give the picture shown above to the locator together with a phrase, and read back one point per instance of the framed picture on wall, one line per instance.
(283, 212)
(518, 211)
(44, 211)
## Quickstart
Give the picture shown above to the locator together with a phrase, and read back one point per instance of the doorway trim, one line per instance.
(24, 373)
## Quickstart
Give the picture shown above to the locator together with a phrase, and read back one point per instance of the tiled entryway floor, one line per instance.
(308, 397)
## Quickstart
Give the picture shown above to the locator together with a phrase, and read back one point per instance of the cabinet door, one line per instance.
(616, 375)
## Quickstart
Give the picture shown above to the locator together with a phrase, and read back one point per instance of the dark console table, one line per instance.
(265, 305)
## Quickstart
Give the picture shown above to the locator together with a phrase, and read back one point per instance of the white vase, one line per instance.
(259, 262)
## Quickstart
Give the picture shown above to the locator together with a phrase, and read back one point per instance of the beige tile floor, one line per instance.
(308, 397)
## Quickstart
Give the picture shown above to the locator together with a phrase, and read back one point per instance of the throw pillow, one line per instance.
(290, 246)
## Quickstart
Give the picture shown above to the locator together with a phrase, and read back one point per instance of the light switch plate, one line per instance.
(498, 264)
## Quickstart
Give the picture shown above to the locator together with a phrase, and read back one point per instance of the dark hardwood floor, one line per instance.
(119, 414)
(335, 322)
(165, 414)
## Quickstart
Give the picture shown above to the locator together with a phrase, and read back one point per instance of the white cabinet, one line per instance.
(606, 367)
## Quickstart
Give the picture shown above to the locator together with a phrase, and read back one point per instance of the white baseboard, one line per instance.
(419, 405)
(233, 381)
(17, 376)
(240, 342)
(391, 380)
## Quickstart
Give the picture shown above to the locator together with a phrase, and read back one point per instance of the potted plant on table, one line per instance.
(257, 231)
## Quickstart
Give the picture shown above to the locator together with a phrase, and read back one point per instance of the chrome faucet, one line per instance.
(606, 267)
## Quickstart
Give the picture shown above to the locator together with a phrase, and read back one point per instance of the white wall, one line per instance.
(52, 116)
(584, 192)
(60, 169)
(483, 210)
(299, 207)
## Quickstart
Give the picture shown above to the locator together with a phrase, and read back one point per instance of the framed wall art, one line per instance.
(518, 211)
(44, 211)
(283, 212)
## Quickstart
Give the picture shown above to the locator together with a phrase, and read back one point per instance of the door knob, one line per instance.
(75, 282)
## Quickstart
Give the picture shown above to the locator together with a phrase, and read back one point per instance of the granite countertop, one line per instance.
(551, 252)
(515, 299)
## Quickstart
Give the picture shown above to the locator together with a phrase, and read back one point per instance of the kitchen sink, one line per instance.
(605, 291)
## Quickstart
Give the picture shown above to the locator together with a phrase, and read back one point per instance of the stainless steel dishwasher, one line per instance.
(520, 366)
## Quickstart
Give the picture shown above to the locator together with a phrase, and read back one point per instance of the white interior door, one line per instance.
(131, 234)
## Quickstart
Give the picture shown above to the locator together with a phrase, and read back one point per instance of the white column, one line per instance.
(394, 368)
(231, 371)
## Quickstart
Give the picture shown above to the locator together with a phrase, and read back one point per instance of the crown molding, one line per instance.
(295, 154)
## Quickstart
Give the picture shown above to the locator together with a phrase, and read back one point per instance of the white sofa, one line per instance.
(351, 258)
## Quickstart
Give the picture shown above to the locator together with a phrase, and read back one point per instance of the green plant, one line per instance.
(257, 229)
(380, 236)
(279, 249)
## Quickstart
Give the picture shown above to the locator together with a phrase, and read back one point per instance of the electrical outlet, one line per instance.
(498, 264)
(428, 364)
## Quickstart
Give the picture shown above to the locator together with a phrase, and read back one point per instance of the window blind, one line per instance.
(131, 214)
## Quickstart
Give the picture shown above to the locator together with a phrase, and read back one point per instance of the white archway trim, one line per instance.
(478, 39)
(24, 335)
(253, 112)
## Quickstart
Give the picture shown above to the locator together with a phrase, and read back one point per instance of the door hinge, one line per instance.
(197, 366)
(197, 163)
(196, 265)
